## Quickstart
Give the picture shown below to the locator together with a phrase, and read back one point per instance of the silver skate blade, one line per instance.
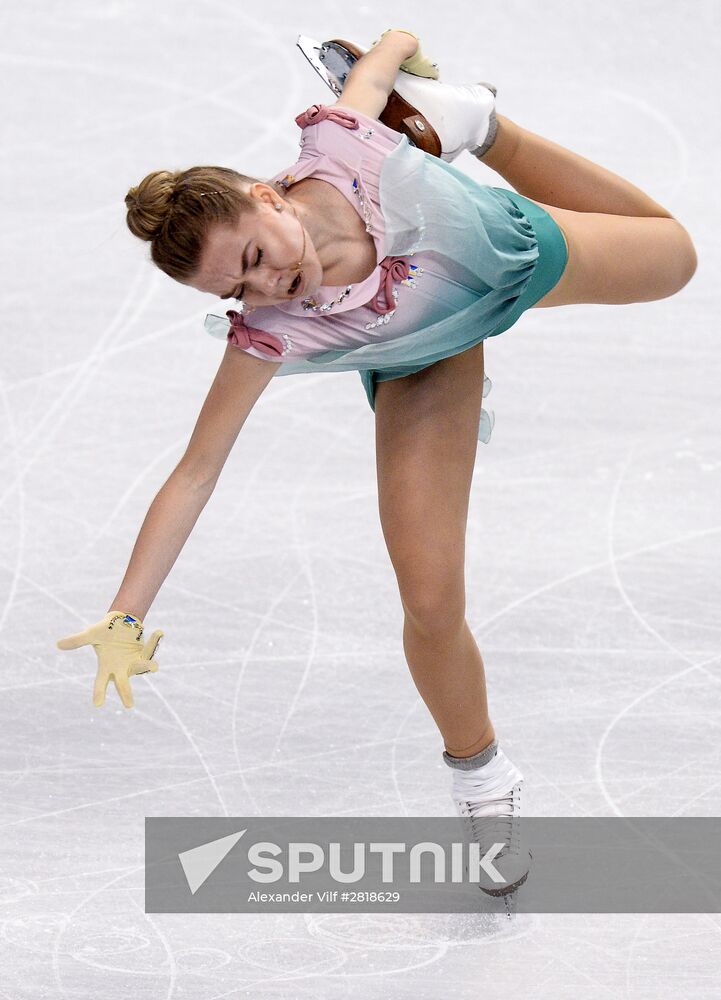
(331, 62)
(311, 49)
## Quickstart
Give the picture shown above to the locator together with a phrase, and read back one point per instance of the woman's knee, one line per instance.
(434, 605)
(618, 259)
(688, 258)
(672, 262)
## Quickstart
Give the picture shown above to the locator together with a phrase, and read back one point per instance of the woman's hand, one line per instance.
(117, 641)
(417, 64)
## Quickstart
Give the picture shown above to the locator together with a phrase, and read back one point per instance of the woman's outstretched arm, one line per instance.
(238, 384)
(170, 519)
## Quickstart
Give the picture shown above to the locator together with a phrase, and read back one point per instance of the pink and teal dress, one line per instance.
(457, 261)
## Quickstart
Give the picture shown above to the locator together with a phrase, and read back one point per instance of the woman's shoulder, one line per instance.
(270, 332)
(334, 128)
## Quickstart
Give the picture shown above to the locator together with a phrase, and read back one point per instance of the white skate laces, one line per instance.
(488, 799)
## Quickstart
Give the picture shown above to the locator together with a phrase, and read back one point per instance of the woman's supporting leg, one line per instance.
(622, 245)
(426, 441)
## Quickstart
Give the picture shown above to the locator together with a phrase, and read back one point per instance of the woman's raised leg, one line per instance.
(622, 245)
(546, 172)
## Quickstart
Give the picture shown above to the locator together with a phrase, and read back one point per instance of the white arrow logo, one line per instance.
(199, 863)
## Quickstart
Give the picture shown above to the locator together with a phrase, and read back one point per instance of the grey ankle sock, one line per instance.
(478, 151)
(477, 760)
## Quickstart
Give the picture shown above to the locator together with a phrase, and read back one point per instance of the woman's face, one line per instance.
(255, 259)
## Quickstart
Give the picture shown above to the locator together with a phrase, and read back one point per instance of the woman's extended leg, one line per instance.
(623, 246)
(426, 441)
(546, 172)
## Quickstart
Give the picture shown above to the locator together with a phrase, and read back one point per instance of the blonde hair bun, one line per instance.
(150, 203)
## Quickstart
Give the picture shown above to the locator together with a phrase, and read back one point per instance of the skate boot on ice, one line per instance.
(488, 800)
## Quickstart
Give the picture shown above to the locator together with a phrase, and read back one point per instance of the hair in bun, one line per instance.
(149, 204)
(173, 210)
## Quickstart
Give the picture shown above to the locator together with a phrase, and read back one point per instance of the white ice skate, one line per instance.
(441, 118)
(490, 821)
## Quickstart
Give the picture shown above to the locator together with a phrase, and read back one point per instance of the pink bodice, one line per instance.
(392, 269)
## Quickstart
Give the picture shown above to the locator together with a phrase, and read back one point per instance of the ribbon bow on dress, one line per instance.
(392, 269)
(317, 113)
(249, 336)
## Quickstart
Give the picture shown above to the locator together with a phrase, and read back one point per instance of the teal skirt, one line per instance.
(548, 268)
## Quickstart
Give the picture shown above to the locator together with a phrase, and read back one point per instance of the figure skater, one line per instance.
(370, 254)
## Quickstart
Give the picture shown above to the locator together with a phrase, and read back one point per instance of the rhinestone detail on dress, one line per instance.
(410, 281)
(365, 207)
(311, 303)
(421, 231)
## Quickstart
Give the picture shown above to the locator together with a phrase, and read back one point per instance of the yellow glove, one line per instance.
(418, 64)
(117, 641)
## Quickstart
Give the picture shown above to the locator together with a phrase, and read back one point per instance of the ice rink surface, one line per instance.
(593, 539)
